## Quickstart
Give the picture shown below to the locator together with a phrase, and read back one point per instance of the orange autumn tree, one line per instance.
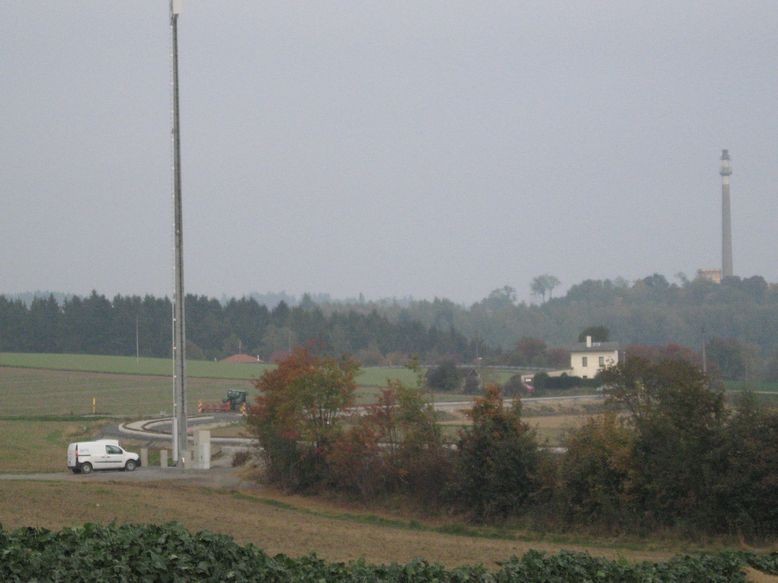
(296, 417)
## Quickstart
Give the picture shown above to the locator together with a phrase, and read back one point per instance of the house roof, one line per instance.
(241, 359)
(595, 347)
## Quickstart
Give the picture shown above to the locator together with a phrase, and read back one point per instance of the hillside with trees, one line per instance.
(737, 320)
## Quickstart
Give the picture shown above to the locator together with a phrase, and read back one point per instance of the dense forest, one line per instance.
(737, 319)
(650, 310)
(97, 325)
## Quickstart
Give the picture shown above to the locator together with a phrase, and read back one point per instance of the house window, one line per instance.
(584, 361)
(602, 361)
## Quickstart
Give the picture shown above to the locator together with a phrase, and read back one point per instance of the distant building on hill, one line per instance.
(713, 275)
(243, 359)
(588, 358)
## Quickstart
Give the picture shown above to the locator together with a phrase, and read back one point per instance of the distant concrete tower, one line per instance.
(726, 217)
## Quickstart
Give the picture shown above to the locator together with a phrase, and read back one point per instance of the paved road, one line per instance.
(159, 430)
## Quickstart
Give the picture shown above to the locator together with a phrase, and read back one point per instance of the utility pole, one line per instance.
(704, 352)
(137, 339)
(180, 445)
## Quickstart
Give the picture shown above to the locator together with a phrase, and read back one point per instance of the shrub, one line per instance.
(679, 426)
(444, 377)
(514, 387)
(240, 458)
(594, 472)
(564, 381)
(746, 491)
(297, 416)
(497, 460)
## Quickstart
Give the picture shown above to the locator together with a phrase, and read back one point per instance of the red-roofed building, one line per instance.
(243, 359)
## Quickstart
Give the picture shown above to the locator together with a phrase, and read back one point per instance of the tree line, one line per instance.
(737, 320)
(667, 453)
(97, 325)
(650, 310)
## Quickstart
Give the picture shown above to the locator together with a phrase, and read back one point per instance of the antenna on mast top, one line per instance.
(176, 6)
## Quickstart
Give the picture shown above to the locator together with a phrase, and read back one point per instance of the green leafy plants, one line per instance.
(171, 553)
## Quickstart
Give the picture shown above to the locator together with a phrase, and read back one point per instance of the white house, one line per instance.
(588, 358)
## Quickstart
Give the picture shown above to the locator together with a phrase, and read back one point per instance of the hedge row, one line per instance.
(171, 553)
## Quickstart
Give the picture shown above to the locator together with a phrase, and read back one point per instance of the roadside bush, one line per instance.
(240, 458)
(678, 460)
(298, 416)
(543, 381)
(417, 452)
(594, 473)
(396, 447)
(497, 460)
(472, 383)
(444, 377)
(679, 425)
(746, 492)
(514, 387)
(357, 464)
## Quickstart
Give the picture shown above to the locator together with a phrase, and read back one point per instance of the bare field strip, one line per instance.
(277, 524)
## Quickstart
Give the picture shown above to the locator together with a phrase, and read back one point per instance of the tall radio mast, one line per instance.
(180, 445)
(726, 216)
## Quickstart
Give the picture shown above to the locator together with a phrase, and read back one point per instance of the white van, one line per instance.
(105, 454)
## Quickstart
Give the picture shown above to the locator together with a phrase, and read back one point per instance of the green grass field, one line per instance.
(31, 391)
(761, 386)
(64, 384)
(32, 445)
(128, 365)
(57, 392)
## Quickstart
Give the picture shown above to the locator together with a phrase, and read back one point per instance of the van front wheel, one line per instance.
(130, 465)
(86, 468)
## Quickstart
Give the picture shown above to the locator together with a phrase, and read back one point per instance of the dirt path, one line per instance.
(214, 478)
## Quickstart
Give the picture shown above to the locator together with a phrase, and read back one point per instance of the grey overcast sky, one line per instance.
(432, 148)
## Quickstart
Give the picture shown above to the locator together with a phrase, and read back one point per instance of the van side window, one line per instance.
(112, 449)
